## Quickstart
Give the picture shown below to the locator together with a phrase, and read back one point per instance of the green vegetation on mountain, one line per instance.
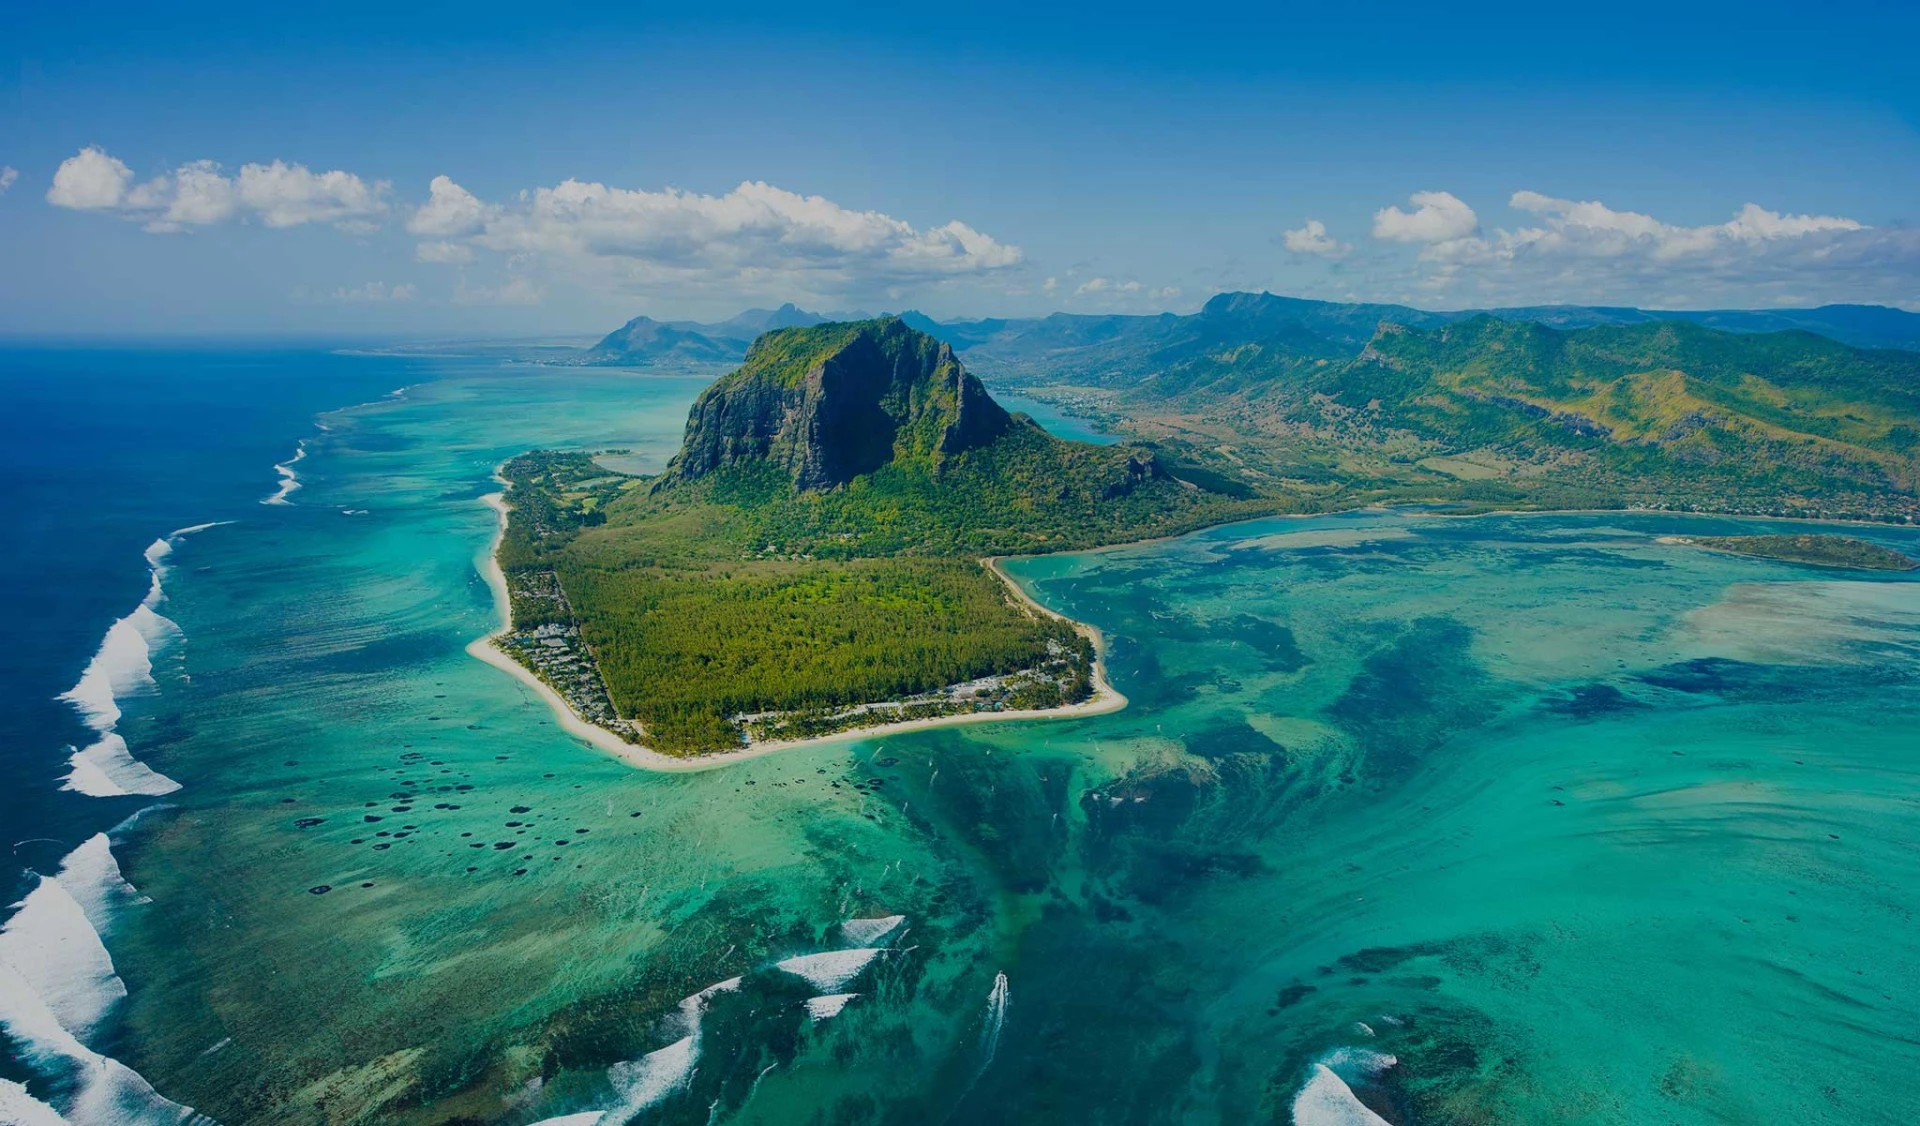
(815, 546)
(1289, 399)
(1819, 550)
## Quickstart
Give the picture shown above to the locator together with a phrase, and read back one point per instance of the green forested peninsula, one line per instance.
(1818, 550)
(815, 548)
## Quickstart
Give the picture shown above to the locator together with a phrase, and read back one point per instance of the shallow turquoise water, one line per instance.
(1568, 824)
(1055, 421)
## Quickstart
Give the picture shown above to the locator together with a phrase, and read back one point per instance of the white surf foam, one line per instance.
(829, 1006)
(123, 665)
(20, 1108)
(643, 1082)
(832, 970)
(122, 668)
(1327, 1100)
(866, 932)
(107, 769)
(92, 876)
(289, 480)
(57, 985)
(54, 951)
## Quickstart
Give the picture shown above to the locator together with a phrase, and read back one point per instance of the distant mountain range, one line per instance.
(644, 340)
(1075, 342)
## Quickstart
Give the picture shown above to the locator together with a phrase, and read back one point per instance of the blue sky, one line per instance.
(436, 169)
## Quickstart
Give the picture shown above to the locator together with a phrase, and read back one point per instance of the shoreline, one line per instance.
(1105, 698)
(1689, 541)
(1419, 510)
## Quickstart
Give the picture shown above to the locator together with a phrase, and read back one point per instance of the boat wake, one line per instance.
(995, 1021)
(289, 480)
(120, 669)
(57, 989)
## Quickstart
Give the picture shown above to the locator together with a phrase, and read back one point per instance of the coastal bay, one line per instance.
(1509, 792)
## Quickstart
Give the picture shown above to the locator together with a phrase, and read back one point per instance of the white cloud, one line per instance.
(1313, 239)
(1584, 252)
(287, 195)
(8, 174)
(89, 181)
(1437, 217)
(755, 238)
(1050, 287)
(444, 253)
(451, 211)
(376, 292)
(1107, 285)
(200, 194)
(1592, 228)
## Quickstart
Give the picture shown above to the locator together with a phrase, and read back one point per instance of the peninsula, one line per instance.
(1812, 549)
(812, 560)
(818, 557)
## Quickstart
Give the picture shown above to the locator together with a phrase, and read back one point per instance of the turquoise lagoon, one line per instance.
(1412, 818)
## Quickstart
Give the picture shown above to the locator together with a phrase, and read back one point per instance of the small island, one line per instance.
(821, 555)
(1810, 548)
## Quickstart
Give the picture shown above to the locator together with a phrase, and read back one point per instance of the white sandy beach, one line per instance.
(1105, 697)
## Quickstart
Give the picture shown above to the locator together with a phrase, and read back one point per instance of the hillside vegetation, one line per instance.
(815, 547)
(1818, 550)
(1291, 400)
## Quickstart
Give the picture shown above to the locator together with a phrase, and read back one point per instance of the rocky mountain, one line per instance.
(832, 403)
(1121, 349)
(747, 325)
(644, 340)
(1067, 347)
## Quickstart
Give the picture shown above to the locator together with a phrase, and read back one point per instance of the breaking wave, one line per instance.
(120, 669)
(829, 1006)
(644, 1082)
(289, 480)
(20, 1108)
(830, 971)
(866, 932)
(58, 986)
(1327, 1099)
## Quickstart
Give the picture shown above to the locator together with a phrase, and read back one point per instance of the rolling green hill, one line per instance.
(1492, 411)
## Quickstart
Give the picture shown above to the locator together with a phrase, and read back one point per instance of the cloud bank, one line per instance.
(201, 194)
(1585, 252)
(760, 241)
(757, 237)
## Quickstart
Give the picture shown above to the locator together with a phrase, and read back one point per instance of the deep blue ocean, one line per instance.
(101, 453)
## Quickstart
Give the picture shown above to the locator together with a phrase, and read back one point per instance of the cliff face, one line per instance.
(831, 402)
